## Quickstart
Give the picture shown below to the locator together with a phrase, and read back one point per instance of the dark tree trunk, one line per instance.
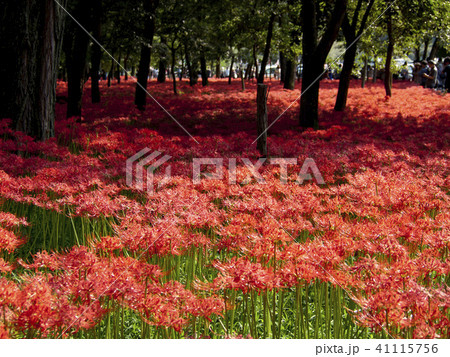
(314, 56)
(31, 34)
(261, 118)
(417, 54)
(231, 69)
(425, 50)
(96, 53)
(203, 70)
(118, 68)
(218, 68)
(434, 48)
(351, 35)
(162, 64)
(146, 52)
(241, 71)
(289, 77)
(193, 76)
(344, 79)
(172, 67)
(111, 71)
(77, 59)
(247, 71)
(162, 71)
(255, 60)
(390, 53)
(364, 74)
(282, 66)
(125, 65)
(374, 78)
(262, 69)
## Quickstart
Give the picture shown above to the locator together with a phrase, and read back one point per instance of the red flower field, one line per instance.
(364, 255)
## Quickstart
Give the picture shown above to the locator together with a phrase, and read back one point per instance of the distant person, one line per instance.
(423, 70)
(431, 76)
(416, 73)
(404, 72)
(446, 74)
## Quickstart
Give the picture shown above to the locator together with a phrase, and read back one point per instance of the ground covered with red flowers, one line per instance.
(366, 254)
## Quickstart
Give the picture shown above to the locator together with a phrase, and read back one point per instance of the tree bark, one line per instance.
(231, 69)
(172, 67)
(289, 76)
(261, 118)
(162, 63)
(390, 53)
(364, 74)
(96, 53)
(218, 68)
(425, 50)
(146, 52)
(351, 35)
(266, 49)
(314, 56)
(76, 59)
(31, 34)
(282, 67)
(203, 70)
(344, 79)
(434, 48)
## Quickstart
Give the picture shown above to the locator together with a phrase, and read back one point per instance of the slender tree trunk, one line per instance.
(96, 52)
(77, 60)
(364, 74)
(289, 77)
(231, 69)
(118, 69)
(255, 60)
(241, 71)
(146, 52)
(266, 49)
(314, 56)
(203, 70)
(390, 53)
(111, 70)
(174, 77)
(162, 64)
(30, 48)
(162, 71)
(125, 64)
(218, 68)
(282, 67)
(434, 48)
(344, 79)
(417, 54)
(193, 77)
(374, 78)
(425, 50)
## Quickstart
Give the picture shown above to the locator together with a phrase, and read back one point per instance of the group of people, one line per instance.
(433, 75)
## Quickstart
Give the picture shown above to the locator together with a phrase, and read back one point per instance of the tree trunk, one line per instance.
(203, 70)
(111, 71)
(262, 69)
(434, 48)
(282, 67)
(255, 60)
(31, 34)
(231, 69)
(77, 60)
(390, 52)
(351, 39)
(261, 118)
(118, 68)
(146, 52)
(241, 71)
(364, 74)
(172, 67)
(96, 53)
(218, 68)
(374, 78)
(162, 64)
(417, 54)
(425, 50)
(125, 64)
(289, 77)
(344, 79)
(162, 71)
(314, 56)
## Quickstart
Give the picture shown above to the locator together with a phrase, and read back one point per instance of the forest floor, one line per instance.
(365, 254)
